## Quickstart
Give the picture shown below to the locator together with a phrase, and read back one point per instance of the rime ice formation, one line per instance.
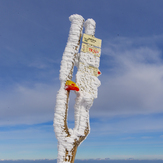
(90, 26)
(66, 138)
(70, 139)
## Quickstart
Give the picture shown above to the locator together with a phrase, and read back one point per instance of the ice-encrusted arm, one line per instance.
(84, 99)
(90, 26)
(66, 71)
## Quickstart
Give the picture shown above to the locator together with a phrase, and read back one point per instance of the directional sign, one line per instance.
(89, 39)
(89, 70)
(86, 48)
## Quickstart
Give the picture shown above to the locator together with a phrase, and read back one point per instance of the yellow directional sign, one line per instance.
(90, 49)
(91, 40)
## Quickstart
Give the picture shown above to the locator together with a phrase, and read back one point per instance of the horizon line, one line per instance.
(105, 159)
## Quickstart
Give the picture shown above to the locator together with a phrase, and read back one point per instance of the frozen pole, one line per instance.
(65, 146)
(87, 82)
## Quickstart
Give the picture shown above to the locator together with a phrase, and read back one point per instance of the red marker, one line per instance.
(70, 85)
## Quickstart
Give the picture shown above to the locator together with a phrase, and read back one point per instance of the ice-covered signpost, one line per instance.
(85, 87)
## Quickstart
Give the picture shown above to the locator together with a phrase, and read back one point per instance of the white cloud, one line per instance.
(127, 125)
(134, 82)
(132, 85)
(27, 105)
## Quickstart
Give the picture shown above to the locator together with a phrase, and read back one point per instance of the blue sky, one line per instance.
(126, 118)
